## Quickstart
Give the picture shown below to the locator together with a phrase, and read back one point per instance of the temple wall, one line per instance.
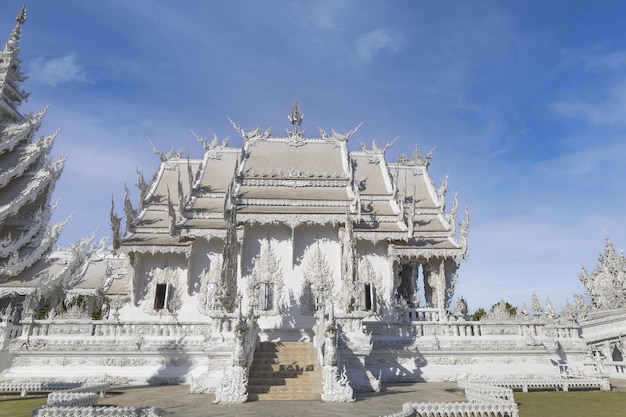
(132, 353)
(292, 253)
(440, 351)
(145, 279)
(376, 253)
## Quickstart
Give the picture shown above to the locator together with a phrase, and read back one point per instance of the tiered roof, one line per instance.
(294, 180)
(27, 179)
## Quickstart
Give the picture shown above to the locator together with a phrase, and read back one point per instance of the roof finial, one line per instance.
(295, 117)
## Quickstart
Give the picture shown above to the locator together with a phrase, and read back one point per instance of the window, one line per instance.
(369, 294)
(160, 297)
(266, 296)
(210, 296)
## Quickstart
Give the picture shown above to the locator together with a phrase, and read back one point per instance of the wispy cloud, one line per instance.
(374, 42)
(56, 71)
(611, 61)
(609, 110)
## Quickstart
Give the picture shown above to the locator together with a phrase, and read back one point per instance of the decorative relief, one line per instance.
(228, 277)
(265, 285)
(318, 282)
(209, 297)
(234, 386)
(335, 385)
(367, 276)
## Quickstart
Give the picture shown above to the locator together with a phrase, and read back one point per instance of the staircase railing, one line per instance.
(335, 384)
(234, 385)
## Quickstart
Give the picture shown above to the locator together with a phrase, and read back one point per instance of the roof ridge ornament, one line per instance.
(213, 144)
(247, 135)
(377, 149)
(416, 158)
(171, 154)
(295, 135)
(339, 137)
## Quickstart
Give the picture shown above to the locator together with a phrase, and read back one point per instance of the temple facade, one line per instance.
(287, 226)
(311, 248)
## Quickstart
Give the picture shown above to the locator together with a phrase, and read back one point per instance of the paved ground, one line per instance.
(177, 401)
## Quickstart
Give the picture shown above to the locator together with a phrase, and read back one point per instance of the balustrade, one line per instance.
(99, 328)
(461, 328)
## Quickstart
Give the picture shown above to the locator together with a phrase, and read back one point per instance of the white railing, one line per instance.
(485, 392)
(470, 328)
(564, 384)
(94, 411)
(419, 314)
(495, 397)
(24, 387)
(72, 399)
(88, 327)
(618, 367)
(483, 400)
(8, 332)
(80, 401)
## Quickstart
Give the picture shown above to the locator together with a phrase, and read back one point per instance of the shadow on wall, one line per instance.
(176, 364)
(370, 367)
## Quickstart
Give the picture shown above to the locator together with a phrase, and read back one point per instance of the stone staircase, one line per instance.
(285, 371)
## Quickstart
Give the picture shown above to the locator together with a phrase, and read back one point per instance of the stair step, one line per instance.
(284, 360)
(282, 374)
(307, 380)
(302, 388)
(273, 366)
(277, 354)
(284, 371)
(301, 396)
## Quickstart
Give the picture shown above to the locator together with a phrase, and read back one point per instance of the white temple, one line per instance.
(287, 254)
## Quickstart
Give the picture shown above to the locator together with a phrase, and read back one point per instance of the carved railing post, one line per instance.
(234, 385)
(335, 384)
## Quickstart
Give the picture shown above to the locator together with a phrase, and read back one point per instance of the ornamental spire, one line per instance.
(14, 39)
(295, 118)
(10, 74)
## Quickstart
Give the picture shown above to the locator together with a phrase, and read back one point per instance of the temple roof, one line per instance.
(294, 180)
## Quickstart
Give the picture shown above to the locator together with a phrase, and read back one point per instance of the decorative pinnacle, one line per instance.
(21, 15)
(295, 117)
(14, 38)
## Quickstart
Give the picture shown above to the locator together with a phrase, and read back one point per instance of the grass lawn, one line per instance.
(20, 406)
(571, 404)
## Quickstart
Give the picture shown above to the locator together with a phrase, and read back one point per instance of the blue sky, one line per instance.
(525, 103)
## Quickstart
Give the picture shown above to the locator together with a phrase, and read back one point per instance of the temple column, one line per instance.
(415, 298)
(435, 285)
(430, 285)
(441, 288)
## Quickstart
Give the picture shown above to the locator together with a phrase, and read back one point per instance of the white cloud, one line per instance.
(373, 42)
(56, 71)
(609, 111)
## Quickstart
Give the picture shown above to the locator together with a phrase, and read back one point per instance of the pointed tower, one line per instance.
(27, 179)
